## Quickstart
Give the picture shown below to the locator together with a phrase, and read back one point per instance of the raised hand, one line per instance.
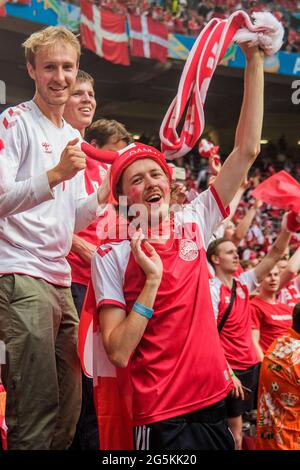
(251, 51)
(150, 262)
(72, 160)
(215, 164)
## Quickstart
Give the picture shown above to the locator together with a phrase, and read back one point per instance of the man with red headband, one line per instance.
(153, 295)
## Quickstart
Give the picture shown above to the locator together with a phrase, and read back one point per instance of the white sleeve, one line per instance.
(18, 196)
(248, 278)
(208, 211)
(107, 277)
(215, 296)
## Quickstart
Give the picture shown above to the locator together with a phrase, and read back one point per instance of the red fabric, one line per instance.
(186, 291)
(148, 38)
(293, 222)
(281, 191)
(3, 11)
(112, 391)
(94, 233)
(160, 367)
(272, 320)
(129, 155)
(3, 427)
(203, 59)
(104, 33)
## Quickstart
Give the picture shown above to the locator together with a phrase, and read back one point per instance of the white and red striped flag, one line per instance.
(104, 33)
(148, 38)
(112, 389)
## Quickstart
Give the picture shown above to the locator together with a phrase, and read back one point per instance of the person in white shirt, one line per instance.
(42, 202)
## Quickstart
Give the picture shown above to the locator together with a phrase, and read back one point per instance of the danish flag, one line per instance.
(112, 388)
(104, 33)
(3, 427)
(148, 38)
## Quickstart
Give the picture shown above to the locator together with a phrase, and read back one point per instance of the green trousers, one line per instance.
(42, 377)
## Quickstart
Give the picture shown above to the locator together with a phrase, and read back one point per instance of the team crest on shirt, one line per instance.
(240, 293)
(47, 148)
(188, 250)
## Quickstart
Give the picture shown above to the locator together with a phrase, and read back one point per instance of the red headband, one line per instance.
(123, 158)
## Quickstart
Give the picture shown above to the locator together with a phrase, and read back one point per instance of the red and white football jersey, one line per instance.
(272, 320)
(236, 334)
(179, 365)
(37, 223)
(290, 295)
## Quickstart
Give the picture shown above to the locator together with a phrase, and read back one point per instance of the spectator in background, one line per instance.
(270, 318)
(235, 331)
(81, 106)
(278, 423)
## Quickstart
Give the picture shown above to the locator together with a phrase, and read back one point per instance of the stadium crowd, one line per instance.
(188, 17)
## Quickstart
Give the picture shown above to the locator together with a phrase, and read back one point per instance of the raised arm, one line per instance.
(121, 334)
(276, 252)
(292, 269)
(248, 133)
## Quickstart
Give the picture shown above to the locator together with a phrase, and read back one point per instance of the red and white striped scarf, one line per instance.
(202, 61)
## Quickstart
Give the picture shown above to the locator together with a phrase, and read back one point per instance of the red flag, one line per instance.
(148, 38)
(2, 8)
(104, 33)
(112, 390)
(3, 427)
(281, 191)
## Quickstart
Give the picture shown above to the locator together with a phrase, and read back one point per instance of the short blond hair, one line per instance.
(47, 37)
(83, 77)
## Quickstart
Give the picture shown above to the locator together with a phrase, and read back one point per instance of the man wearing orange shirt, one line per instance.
(278, 423)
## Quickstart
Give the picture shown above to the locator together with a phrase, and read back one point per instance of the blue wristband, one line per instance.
(142, 310)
